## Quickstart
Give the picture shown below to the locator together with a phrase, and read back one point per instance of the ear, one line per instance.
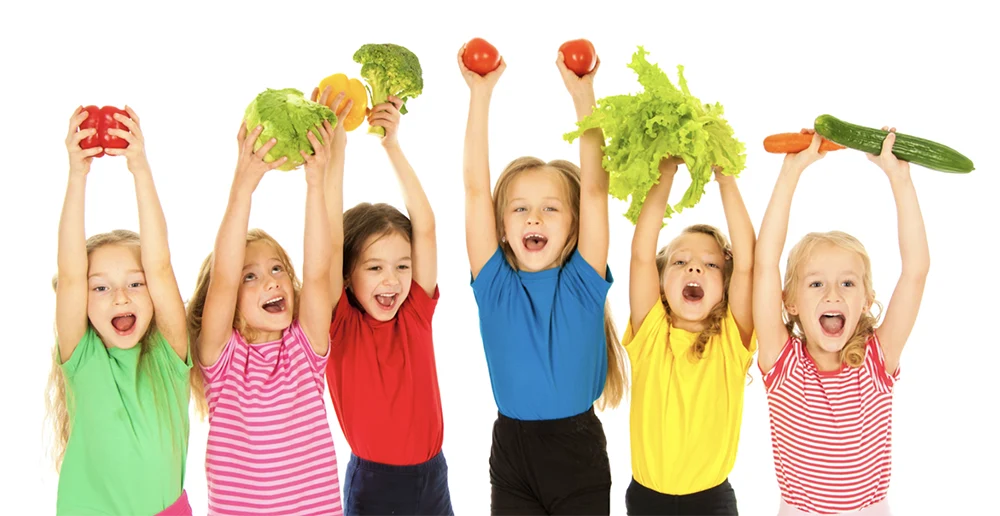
(791, 309)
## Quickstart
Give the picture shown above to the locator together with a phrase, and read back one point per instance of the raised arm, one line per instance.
(71, 278)
(480, 221)
(901, 313)
(767, 292)
(644, 279)
(334, 194)
(315, 301)
(168, 306)
(741, 233)
(230, 247)
(593, 240)
(424, 243)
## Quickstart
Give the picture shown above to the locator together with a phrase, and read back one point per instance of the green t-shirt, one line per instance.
(128, 440)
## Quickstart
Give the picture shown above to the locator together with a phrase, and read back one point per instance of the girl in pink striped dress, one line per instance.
(828, 370)
(261, 340)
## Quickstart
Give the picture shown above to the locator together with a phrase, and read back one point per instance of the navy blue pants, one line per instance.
(371, 488)
(718, 500)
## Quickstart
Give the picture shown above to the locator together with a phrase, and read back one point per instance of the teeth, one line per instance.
(831, 314)
(693, 284)
(275, 300)
(533, 235)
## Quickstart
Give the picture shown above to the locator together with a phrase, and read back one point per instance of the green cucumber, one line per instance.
(915, 150)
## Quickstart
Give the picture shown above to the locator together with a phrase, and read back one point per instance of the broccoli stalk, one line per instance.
(389, 69)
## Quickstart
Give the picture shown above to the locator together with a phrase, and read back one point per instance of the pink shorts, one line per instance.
(179, 508)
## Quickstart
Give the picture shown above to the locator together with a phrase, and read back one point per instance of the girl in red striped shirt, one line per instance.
(828, 371)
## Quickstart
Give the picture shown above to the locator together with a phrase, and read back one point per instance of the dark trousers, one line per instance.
(718, 500)
(378, 489)
(557, 466)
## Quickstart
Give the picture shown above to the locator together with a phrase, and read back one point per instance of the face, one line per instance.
(830, 296)
(381, 277)
(692, 281)
(537, 219)
(266, 295)
(118, 303)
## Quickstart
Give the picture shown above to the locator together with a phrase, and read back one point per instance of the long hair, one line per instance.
(616, 383)
(196, 309)
(717, 315)
(853, 353)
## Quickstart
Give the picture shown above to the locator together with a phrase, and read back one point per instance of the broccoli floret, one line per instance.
(389, 69)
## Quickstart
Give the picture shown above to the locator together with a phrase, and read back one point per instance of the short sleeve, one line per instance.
(167, 357)
(656, 319)
(486, 287)
(86, 349)
(782, 366)
(298, 339)
(875, 363)
(592, 287)
(217, 371)
(422, 304)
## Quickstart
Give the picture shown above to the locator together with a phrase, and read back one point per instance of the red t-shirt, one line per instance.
(383, 381)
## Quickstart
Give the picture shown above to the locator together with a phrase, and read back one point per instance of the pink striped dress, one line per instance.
(270, 450)
(831, 431)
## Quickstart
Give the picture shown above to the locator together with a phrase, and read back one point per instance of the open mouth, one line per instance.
(124, 323)
(693, 292)
(832, 323)
(535, 241)
(386, 301)
(275, 305)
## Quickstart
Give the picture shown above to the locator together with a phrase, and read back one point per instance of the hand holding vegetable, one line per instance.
(339, 131)
(886, 160)
(102, 119)
(387, 117)
(135, 150)
(80, 158)
(581, 88)
(354, 92)
(286, 116)
(390, 69)
(476, 82)
(579, 56)
(250, 166)
(800, 160)
(480, 56)
(317, 163)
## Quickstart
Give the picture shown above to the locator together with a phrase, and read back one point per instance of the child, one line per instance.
(828, 371)
(261, 340)
(118, 391)
(538, 256)
(690, 341)
(382, 373)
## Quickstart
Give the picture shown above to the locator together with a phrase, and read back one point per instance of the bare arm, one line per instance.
(901, 313)
(315, 301)
(230, 248)
(71, 279)
(741, 233)
(480, 221)
(767, 291)
(644, 280)
(593, 240)
(168, 306)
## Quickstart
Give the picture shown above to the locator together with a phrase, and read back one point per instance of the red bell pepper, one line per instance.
(103, 119)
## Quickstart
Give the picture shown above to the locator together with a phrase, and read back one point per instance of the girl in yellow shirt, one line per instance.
(690, 341)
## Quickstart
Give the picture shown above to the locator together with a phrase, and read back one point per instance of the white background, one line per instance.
(190, 68)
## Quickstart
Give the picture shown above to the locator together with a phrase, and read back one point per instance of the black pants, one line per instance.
(377, 489)
(557, 466)
(718, 500)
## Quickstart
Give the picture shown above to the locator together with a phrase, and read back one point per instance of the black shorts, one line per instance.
(718, 500)
(377, 489)
(557, 466)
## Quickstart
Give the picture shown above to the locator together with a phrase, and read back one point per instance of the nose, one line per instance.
(695, 269)
(121, 297)
(390, 278)
(534, 218)
(270, 283)
(832, 296)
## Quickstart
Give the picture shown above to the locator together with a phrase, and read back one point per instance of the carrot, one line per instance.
(786, 143)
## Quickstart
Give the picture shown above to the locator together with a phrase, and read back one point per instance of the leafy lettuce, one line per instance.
(643, 128)
(287, 116)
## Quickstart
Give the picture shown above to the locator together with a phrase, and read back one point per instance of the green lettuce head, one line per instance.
(287, 116)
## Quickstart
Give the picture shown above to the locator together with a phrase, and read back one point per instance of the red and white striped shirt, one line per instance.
(831, 431)
(270, 450)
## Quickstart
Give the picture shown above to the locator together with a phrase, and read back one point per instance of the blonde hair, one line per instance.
(616, 382)
(196, 309)
(58, 399)
(717, 315)
(853, 353)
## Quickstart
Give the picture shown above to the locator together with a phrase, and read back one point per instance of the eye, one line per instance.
(100, 288)
(404, 267)
(135, 284)
(847, 283)
(816, 284)
(679, 262)
(551, 208)
(519, 208)
(276, 269)
(714, 266)
(249, 277)
(375, 268)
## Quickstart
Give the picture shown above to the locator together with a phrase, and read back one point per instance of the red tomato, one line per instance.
(103, 119)
(579, 56)
(480, 56)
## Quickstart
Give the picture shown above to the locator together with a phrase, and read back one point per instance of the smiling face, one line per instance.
(266, 296)
(118, 303)
(537, 218)
(382, 275)
(829, 296)
(692, 280)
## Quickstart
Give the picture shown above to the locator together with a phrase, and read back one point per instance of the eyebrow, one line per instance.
(544, 198)
(370, 260)
(101, 274)
(841, 273)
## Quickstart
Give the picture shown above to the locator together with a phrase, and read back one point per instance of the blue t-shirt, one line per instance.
(543, 333)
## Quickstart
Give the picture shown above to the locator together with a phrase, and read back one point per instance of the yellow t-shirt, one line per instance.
(685, 414)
